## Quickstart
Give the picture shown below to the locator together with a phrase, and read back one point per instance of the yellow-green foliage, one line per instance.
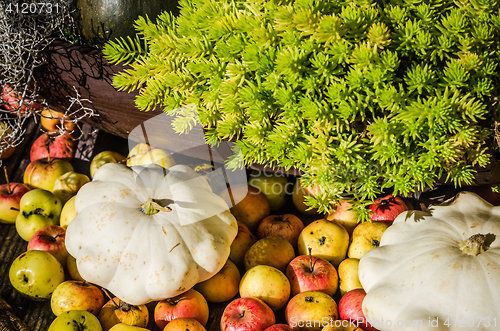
(361, 95)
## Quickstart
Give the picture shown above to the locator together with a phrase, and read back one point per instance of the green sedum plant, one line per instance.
(362, 96)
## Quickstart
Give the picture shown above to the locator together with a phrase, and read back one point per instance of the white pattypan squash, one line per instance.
(148, 234)
(436, 271)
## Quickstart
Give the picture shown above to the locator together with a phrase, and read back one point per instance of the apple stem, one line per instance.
(311, 264)
(7, 180)
(13, 208)
(109, 296)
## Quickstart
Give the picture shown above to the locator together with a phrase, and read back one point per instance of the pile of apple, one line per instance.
(308, 272)
(276, 262)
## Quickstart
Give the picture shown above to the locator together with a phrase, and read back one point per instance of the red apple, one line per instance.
(50, 239)
(59, 147)
(350, 309)
(287, 226)
(190, 304)
(11, 100)
(44, 173)
(76, 295)
(343, 215)
(310, 273)
(247, 314)
(279, 327)
(386, 209)
(10, 195)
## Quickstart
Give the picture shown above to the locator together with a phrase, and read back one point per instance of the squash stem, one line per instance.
(474, 245)
(152, 207)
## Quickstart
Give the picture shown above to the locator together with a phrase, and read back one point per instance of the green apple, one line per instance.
(36, 274)
(68, 212)
(44, 173)
(143, 154)
(68, 184)
(38, 208)
(102, 158)
(274, 186)
(76, 320)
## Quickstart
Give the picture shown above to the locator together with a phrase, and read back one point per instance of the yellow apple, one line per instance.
(348, 275)
(240, 245)
(223, 286)
(342, 325)
(102, 158)
(251, 209)
(298, 197)
(68, 184)
(274, 251)
(136, 153)
(365, 237)
(143, 154)
(267, 284)
(68, 212)
(126, 327)
(328, 240)
(72, 268)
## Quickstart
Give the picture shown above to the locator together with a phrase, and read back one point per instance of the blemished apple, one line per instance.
(68, 212)
(343, 215)
(249, 314)
(251, 209)
(67, 185)
(56, 121)
(102, 158)
(76, 295)
(53, 147)
(190, 304)
(348, 275)
(38, 208)
(116, 311)
(279, 327)
(350, 309)
(36, 274)
(273, 185)
(287, 226)
(311, 273)
(10, 197)
(73, 269)
(266, 283)
(51, 239)
(273, 251)
(387, 208)
(311, 311)
(75, 320)
(298, 197)
(223, 286)
(241, 244)
(184, 324)
(328, 240)
(126, 327)
(365, 237)
(44, 173)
